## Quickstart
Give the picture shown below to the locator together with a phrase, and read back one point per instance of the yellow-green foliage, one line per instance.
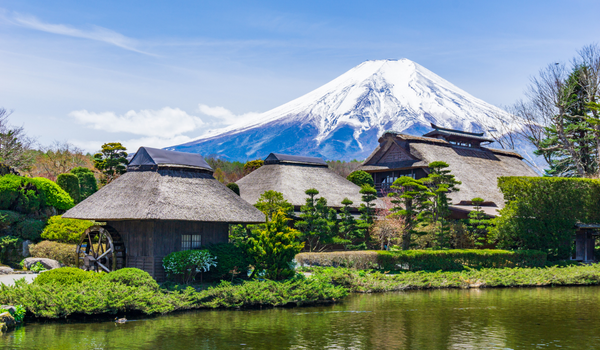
(272, 247)
(66, 275)
(20, 194)
(55, 196)
(65, 230)
(61, 252)
(541, 212)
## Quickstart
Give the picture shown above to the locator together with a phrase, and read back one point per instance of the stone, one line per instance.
(48, 263)
(26, 245)
(11, 309)
(8, 320)
(5, 270)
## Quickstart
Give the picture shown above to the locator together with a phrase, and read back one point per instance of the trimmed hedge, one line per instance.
(541, 213)
(66, 276)
(55, 196)
(69, 183)
(425, 260)
(360, 178)
(20, 194)
(231, 260)
(65, 230)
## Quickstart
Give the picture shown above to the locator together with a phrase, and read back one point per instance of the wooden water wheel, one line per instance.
(101, 249)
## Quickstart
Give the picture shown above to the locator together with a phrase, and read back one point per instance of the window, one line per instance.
(190, 242)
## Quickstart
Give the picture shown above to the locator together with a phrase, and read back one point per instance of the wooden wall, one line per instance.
(147, 242)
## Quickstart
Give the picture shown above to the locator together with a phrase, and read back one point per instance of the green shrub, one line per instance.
(234, 187)
(87, 182)
(55, 196)
(29, 229)
(541, 213)
(65, 230)
(66, 275)
(10, 248)
(361, 178)
(232, 262)
(37, 267)
(61, 252)
(70, 184)
(20, 194)
(187, 263)
(361, 260)
(424, 260)
(9, 218)
(131, 277)
(19, 314)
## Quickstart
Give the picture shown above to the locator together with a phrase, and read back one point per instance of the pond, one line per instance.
(536, 318)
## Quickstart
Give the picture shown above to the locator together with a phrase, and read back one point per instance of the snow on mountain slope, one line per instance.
(344, 118)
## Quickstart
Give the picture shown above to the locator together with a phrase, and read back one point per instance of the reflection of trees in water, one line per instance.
(443, 319)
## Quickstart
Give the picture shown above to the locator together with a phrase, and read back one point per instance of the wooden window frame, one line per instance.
(189, 242)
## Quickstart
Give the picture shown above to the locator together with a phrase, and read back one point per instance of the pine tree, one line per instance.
(318, 224)
(351, 235)
(478, 223)
(440, 182)
(111, 161)
(412, 202)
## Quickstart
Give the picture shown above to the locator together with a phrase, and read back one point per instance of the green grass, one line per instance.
(366, 281)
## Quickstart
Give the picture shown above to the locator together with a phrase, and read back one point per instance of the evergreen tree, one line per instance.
(478, 223)
(111, 161)
(440, 182)
(360, 178)
(318, 224)
(272, 202)
(70, 183)
(411, 203)
(367, 211)
(87, 181)
(351, 235)
(273, 246)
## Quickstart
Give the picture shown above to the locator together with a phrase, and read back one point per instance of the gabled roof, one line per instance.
(278, 158)
(451, 133)
(477, 167)
(166, 194)
(293, 179)
(148, 158)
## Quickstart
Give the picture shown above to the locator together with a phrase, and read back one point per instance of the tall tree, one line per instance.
(351, 235)
(478, 223)
(411, 200)
(111, 161)
(318, 222)
(15, 145)
(87, 181)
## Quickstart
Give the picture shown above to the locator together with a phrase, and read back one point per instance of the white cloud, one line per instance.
(164, 123)
(132, 145)
(95, 33)
(225, 115)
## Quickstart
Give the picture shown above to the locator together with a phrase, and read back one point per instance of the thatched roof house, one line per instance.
(164, 200)
(292, 176)
(477, 167)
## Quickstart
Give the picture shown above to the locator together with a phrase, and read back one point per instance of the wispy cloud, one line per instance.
(165, 123)
(225, 115)
(96, 33)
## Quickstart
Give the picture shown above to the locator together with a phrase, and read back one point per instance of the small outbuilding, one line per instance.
(292, 176)
(585, 241)
(166, 201)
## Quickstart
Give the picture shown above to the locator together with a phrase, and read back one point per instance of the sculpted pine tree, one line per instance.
(318, 224)
(111, 161)
(351, 235)
(441, 182)
(478, 223)
(411, 201)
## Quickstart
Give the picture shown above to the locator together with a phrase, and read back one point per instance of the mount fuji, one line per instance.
(344, 118)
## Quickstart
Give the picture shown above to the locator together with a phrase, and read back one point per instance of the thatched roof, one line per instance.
(477, 168)
(293, 179)
(170, 192)
(147, 158)
(278, 158)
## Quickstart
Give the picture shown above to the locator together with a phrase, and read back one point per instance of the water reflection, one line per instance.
(541, 318)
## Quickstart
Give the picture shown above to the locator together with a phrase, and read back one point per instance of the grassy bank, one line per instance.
(367, 281)
(111, 296)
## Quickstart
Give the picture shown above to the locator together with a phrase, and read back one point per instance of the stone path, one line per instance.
(9, 280)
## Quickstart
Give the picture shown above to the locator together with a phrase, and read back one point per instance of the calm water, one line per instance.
(544, 318)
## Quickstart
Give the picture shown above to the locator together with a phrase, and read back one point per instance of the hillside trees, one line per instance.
(15, 145)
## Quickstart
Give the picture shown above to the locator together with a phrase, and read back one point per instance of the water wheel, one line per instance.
(101, 249)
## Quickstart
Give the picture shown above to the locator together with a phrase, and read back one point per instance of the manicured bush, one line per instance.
(20, 194)
(456, 259)
(186, 264)
(424, 260)
(131, 277)
(61, 252)
(361, 178)
(10, 248)
(8, 218)
(87, 182)
(232, 262)
(361, 260)
(66, 275)
(234, 187)
(541, 213)
(70, 184)
(55, 196)
(65, 230)
(29, 229)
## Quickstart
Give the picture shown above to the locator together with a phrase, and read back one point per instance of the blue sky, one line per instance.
(158, 73)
